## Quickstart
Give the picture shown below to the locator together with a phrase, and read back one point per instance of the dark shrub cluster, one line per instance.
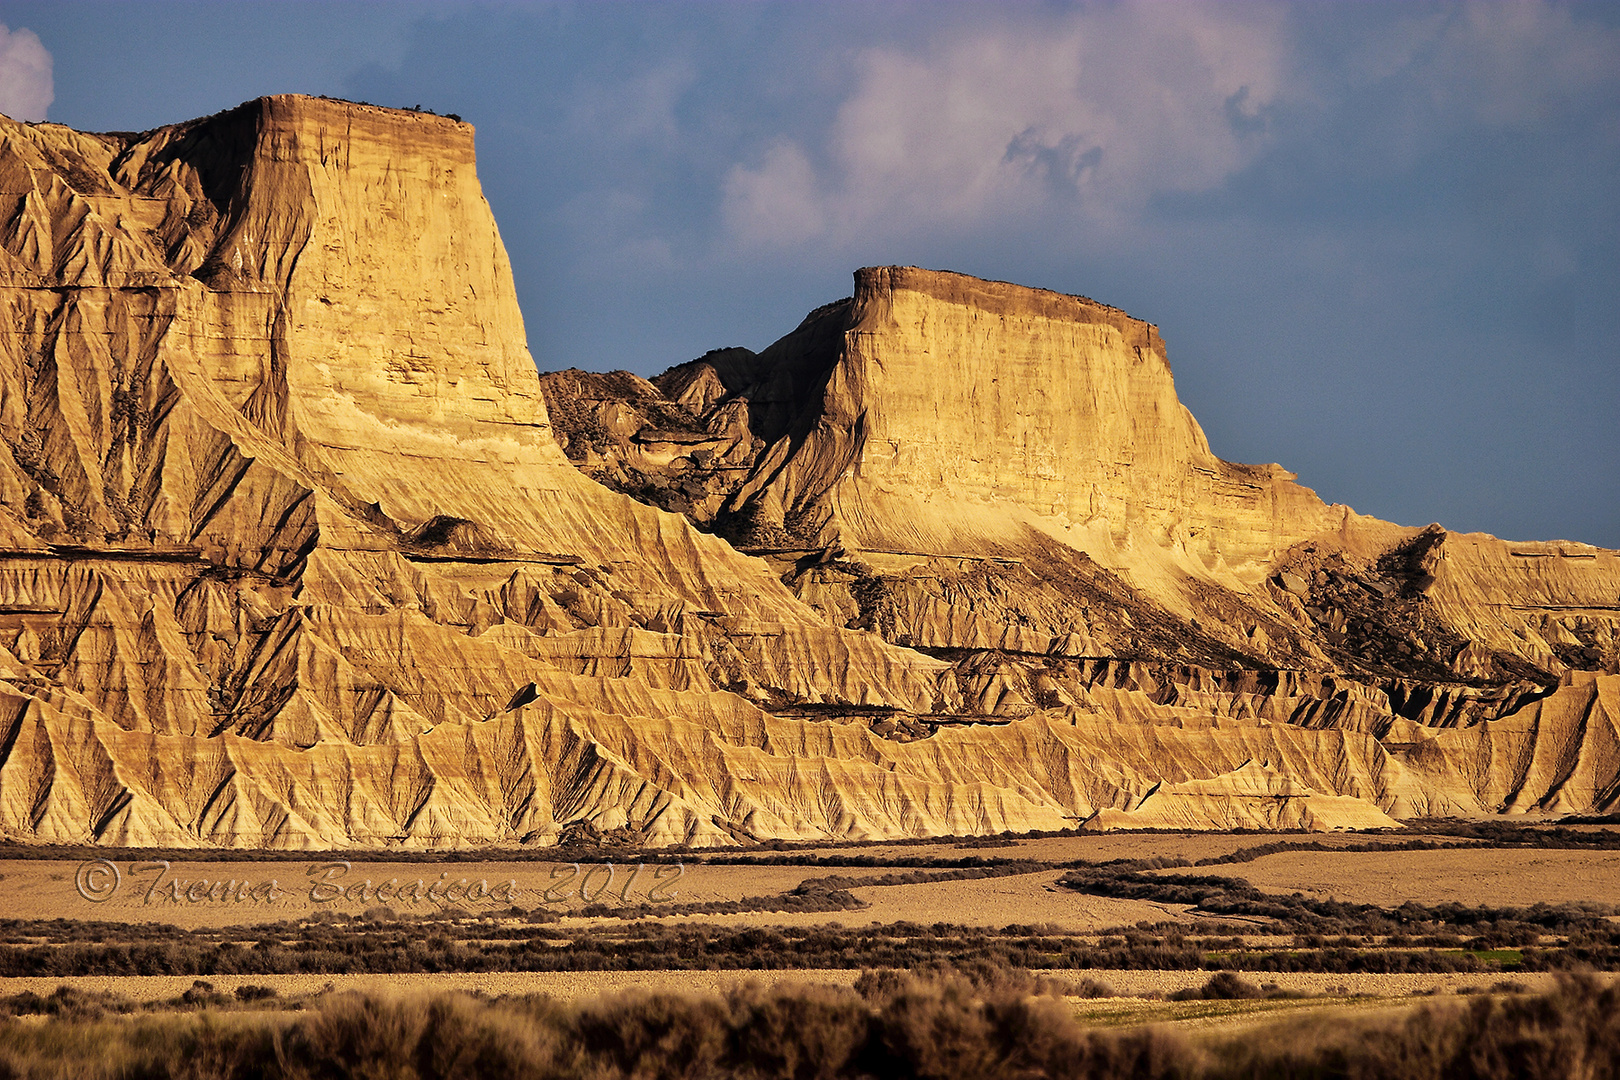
(1490, 942)
(1234, 897)
(1228, 986)
(816, 894)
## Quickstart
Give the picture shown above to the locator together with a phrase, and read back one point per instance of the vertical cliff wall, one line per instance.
(943, 396)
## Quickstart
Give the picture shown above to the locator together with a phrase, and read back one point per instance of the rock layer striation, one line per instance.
(298, 550)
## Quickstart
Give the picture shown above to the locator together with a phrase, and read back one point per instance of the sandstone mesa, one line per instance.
(297, 550)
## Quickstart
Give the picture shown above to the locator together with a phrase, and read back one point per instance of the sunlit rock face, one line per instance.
(982, 465)
(945, 407)
(298, 550)
(286, 529)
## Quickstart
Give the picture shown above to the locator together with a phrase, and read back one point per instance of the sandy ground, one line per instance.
(1030, 899)
(1517, 878)
(43, 889)
(568, 984)
(1027, 899)
(46, 889)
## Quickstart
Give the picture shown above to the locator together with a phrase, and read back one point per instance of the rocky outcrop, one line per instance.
(279, 479)
(937, 412)
(1024, 453)
(297, 550)
(1558, 754)
(1003, 477)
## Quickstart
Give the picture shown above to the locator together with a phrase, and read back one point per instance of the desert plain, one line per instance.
(963, 892)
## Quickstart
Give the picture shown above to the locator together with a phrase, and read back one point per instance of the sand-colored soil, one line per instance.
(1516, 878)
(995, 902)
(47, 889)
(568, 984)
(1025, 899)
(36, 889)
(1092, 847)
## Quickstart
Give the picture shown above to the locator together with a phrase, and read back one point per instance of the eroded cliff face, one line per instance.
(293, 555)
(974, 465)
(286, 530)
(950, 409)
(1003, 477)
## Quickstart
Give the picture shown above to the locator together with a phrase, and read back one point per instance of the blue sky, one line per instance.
(1382, 241)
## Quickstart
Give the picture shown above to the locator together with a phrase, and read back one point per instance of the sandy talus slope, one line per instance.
(291, 553)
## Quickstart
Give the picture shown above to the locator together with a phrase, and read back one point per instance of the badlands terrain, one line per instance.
(298, 551)
(925, 672)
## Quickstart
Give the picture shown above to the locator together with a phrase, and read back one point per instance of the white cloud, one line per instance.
(1088, 113)
(26, 90)
(777, 203)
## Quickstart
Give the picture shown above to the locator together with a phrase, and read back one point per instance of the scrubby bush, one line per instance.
(945, 1023)
(1573, 1032)
(1222, 986)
